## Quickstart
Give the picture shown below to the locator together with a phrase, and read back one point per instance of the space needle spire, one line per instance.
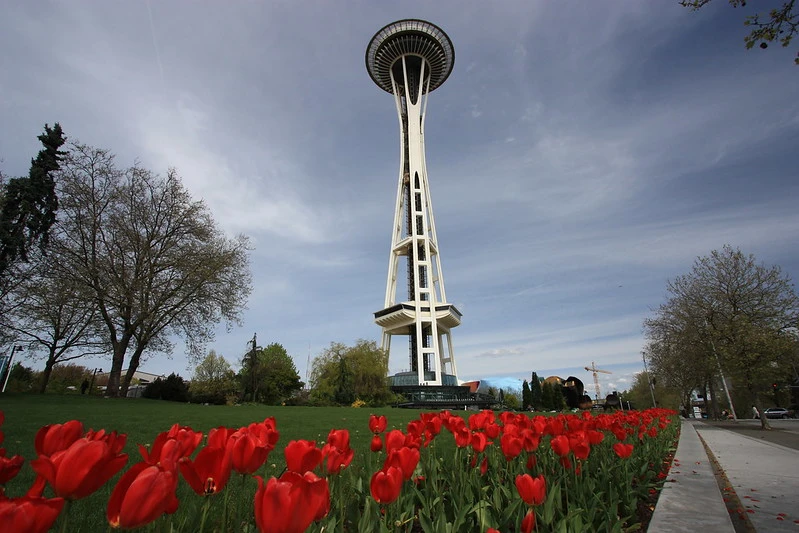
(409, 59)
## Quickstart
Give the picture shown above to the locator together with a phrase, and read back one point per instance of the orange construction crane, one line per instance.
(594, 369)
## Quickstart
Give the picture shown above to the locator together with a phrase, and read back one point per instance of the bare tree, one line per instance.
(155, 259)
(736, 311)
(53, 312)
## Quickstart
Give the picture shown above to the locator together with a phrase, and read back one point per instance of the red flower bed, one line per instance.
(488, 472)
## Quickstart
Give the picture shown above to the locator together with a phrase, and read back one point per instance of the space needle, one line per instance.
(409, 59)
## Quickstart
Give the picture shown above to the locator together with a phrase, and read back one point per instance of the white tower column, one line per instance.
(410, 59)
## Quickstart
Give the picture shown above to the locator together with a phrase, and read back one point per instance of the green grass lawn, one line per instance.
(143, 419)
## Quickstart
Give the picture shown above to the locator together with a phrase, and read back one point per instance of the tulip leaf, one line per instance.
(426, 523)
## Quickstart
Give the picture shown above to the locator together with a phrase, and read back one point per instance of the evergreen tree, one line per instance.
(527, 397)
(546, 397)
(535, 391)
(28, 205)
(558, 397)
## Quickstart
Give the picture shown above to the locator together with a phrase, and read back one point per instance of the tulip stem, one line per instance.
(242, 483)
(65, 514)
(206, 505)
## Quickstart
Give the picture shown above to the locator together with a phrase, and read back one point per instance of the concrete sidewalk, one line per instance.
(764, 476)
(690, 500)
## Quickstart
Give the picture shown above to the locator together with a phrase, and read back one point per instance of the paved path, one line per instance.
(764, 475)
(762, 467)
(690, 501)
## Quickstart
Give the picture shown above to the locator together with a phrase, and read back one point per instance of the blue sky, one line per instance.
(580, 155)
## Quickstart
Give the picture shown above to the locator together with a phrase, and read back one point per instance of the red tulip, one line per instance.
(533, 490)
(623, 450)
(37, 489)
(302, 456)
(142, 495)
(555, 426)
(377, 444)
(432, 422)
(484, 466)
(511, 446)
(209, 472)
(511, 429)
(340, 438)
(528, 522)
(493, 430)
(560, 445)
(290, 504)
(57, 437)
(414, 440)
(415, 427)
(169, 446)
(594, 437)
(219, 437)
(116, 441)
(9, 467)
(463, 437)
(377, 424)
(479, 442)
(247, 452)
(481, 419)
(266, 432)
(386, 485)
(337, 459)
(337, 450)
(394, 439)
(579, 445)
(31, 515)
(403, 458)
(531, 440)
(81, 469)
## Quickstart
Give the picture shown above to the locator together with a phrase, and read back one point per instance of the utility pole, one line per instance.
(723, 379)
(253, 355)
(14, 348)
(649, 380)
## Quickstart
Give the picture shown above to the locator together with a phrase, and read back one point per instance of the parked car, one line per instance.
(779, 412)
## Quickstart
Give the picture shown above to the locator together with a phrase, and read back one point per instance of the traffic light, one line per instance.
(774, 386)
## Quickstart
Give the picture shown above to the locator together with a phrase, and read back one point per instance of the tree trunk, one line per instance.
(132, 367)
(120, 347)
(48, 369)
